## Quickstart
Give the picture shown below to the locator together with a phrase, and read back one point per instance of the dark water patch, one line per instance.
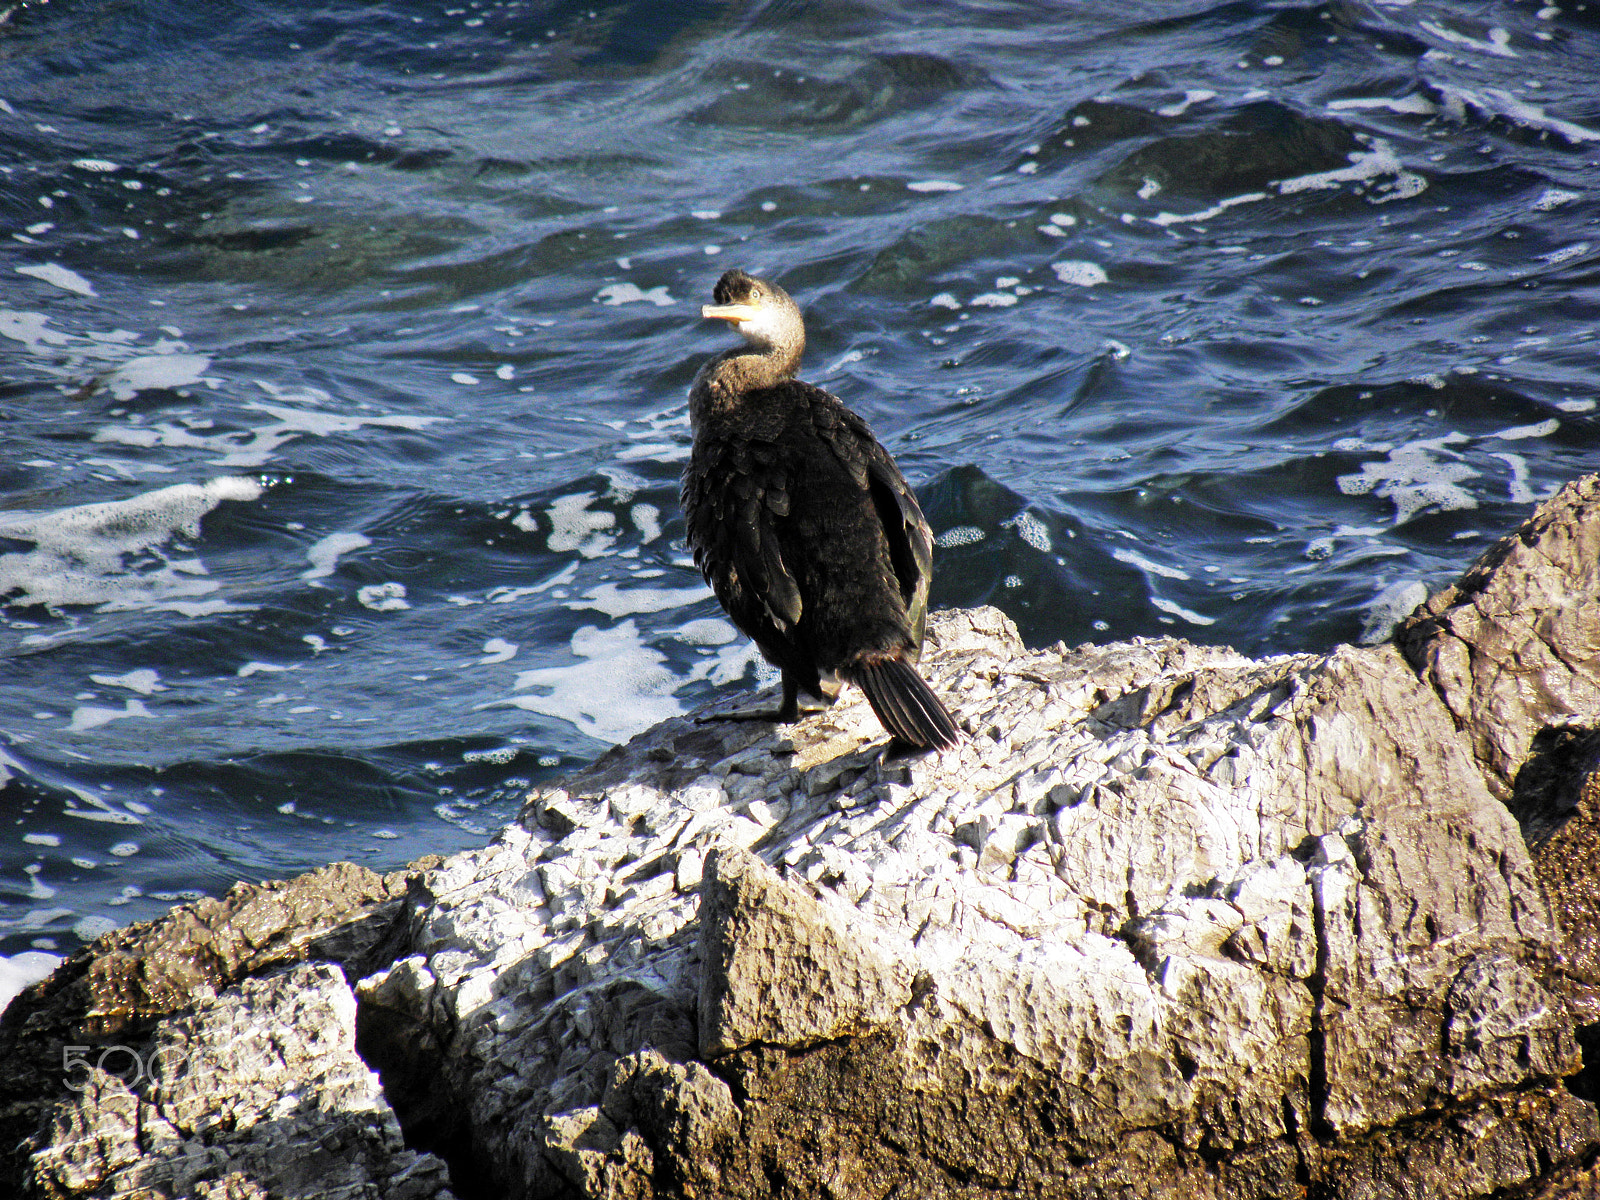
(1092, 124)
(1045, 569)
(923, 256)
(766, 95)
(1253, 148)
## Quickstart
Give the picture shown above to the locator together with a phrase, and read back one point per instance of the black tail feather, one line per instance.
(905, 704)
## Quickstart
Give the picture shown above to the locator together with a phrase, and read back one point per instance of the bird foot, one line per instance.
(790, 711)
(746, 714)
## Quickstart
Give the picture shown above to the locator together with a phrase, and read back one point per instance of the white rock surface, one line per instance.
(1178, 887)
(257, 1093)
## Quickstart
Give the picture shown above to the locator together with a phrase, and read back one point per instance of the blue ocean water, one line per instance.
(345, 349)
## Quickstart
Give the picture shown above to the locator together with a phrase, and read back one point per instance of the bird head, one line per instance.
(762, 312)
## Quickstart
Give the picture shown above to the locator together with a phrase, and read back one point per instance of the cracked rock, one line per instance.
(1174, 922)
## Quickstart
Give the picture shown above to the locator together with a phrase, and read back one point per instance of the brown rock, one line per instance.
(1513, 648)
(114, 992)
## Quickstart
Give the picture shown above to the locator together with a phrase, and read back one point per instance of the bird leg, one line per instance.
(785, 714)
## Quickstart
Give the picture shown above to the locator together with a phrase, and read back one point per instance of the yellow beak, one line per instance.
(729, 312)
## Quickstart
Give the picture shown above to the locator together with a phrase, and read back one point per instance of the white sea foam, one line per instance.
(574, 527)
(961, 535)
(1389, 607)
(1565, 253)
(1191, 97)
(145, 681)
(934, 185)
(1084, 274)
(1177, 610)
(383, 597)
(1206, 214)
(1538, 429)
(647, 520)
(510, 595)
(624, 483)
(617, 601)
(619, 688)
(157, 371)
(90, 716)
(1365, 167)
(253, 448)
(993, 300)
(1497, 43)
(497, 650)
(93, 926)
(58, 276)
(324, 554)
(1520, 488)
(660, 452)
(79, 552)
(1552, 198)
(1497, 102)
(97, 809)
(733, 662)
(1416, 476)
(1031, 530)
(29, 328)
(322, 424)
(1134, 559)
(253, 667)
(706, 631)
(1414, 104)
(630, 293)
(21, 971)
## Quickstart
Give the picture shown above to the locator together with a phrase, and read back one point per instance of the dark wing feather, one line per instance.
(730, 501)
(910, 541)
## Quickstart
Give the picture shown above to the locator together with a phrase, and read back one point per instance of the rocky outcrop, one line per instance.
(212, 1054)
(1513, 648)
(257, 1094)
(1171, 922)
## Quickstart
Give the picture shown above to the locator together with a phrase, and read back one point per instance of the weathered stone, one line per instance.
(115, 991)
(1172, 922)
(258, 1092)
(1513, 648)
(779, 968)
(596, 1158)
(1567, 815)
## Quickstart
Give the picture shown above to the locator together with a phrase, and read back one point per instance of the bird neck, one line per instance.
(731, 374)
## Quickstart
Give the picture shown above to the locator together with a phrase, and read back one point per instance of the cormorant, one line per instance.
(803, 525)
